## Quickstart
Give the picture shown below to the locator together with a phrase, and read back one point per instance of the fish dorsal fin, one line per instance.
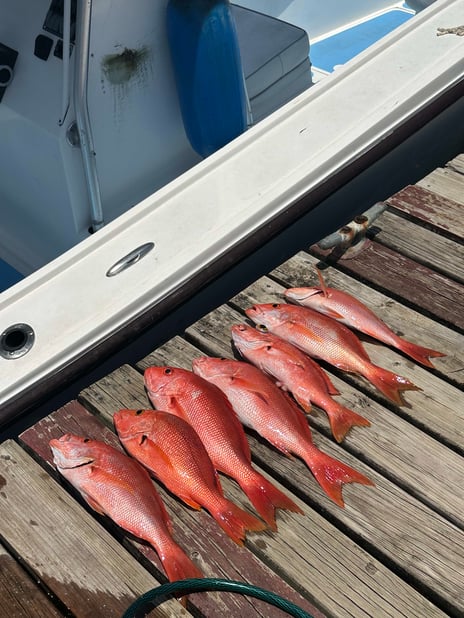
(322, 282)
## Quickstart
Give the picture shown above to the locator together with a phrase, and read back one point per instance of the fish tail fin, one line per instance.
(332, 474)
(236, 522)
(266, 498)
(177, 564)
(418, 353)
(342, 419)
(390, 384)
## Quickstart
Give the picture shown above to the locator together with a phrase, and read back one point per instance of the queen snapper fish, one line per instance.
(350, 311)
(210, 413)
(115, 485)
(171, 449)
(262, 406)
(326, 339)
(296, 372)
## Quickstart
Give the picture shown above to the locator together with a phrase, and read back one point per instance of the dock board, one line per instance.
(395, 550)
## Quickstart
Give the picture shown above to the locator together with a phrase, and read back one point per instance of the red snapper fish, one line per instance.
(326, 339)
(350, 311)
(210, 413)
(262, 406)
(171, 449)
(296, 372)
(115, 485)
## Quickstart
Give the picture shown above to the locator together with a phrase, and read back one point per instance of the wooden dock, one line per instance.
(395, 550)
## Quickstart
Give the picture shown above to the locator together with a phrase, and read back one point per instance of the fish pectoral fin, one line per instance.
(304, 331)
(93, 504)
(250, 387)
(331, 313)
(176, 408)
(158, 456)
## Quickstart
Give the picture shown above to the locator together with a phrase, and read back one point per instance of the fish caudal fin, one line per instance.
(390, 384)
(418, 353)
(266, 499)
(236, 522)
(178, 565)
(343, 419)
(332, 474)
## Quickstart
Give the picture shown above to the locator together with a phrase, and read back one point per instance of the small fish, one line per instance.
(208, 410)
(262, 406)
(350, 311)
(171, 449)
(296, 372)
(115, 485)
(326, 339)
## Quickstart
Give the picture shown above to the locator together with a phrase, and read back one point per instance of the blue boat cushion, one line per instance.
(275, 59)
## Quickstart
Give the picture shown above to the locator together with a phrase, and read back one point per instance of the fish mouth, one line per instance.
(60, 460)
(300, 296)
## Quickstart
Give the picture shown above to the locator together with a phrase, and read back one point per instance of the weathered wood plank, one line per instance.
(46, 527)
(457, 164)
(418, 285)
(446, 182)
(421, 244)
(301, 270)
(438, 407)
(382, 446)
(19, 597)
(308, 552)
(195, 531)
(369, 513)
(437, 211)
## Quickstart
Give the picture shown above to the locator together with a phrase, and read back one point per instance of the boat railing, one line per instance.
(83, 21)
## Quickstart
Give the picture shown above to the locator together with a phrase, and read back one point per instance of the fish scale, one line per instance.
(296, 372)
(208, 410)
(115, 485)
(170, 448)
(261, 405)
(324, 338)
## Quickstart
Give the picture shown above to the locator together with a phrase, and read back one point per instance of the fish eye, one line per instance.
(275, 305)
(138, 412)
(167, 371)
(86, 440)
(268, 347)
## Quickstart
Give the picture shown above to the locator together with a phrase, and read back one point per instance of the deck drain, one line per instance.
(16, 341)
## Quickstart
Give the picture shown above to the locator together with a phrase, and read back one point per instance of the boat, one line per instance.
(121, 221)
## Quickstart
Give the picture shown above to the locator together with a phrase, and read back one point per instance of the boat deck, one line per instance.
(396, 549)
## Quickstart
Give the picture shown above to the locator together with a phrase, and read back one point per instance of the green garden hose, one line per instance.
(156, 596)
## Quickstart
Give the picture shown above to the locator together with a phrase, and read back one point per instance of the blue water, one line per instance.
(341, 47)
(8, 276)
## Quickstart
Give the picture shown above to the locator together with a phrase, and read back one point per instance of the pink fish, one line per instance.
(350, 311)
(208, 410)
(296, 372)
(261, 405)
(115, 485)
(172, 450)
(326, 339)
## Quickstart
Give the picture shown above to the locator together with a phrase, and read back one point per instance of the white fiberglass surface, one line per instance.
(72, 305)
